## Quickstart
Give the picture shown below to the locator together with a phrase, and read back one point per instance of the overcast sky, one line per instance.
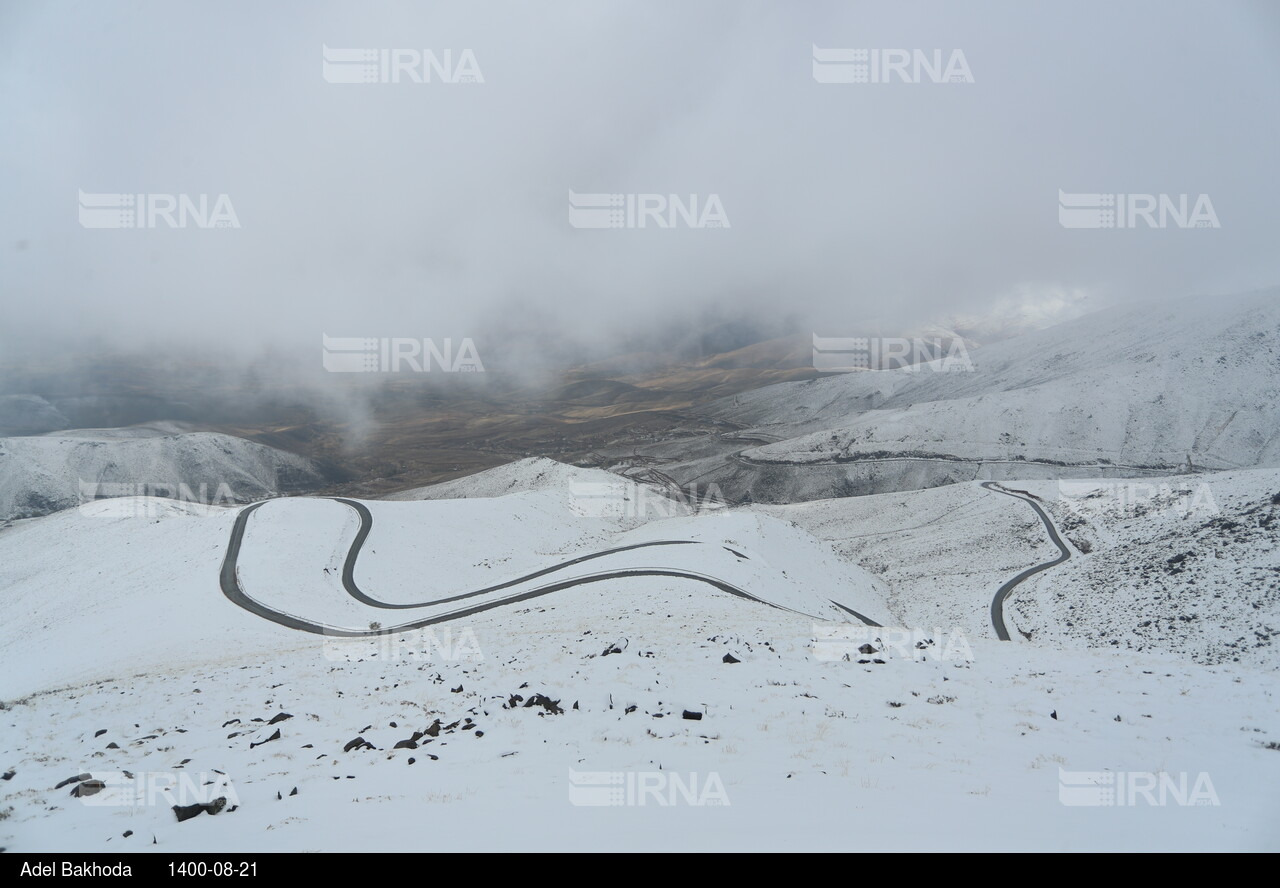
(439, 209)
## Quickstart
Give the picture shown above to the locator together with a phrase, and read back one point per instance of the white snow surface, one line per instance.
(523, 476)
(1143, 390)
(126, 632)
(1142, 386)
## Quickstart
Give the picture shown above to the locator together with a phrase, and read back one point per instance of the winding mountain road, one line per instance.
(997, 603)
(231, 588)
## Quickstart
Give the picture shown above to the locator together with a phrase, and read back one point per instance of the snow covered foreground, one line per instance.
(559, 723)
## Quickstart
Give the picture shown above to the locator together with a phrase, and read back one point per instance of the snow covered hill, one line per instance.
(1128, 392)
(1186, 565)
(46, 473)
(1189, 565)
(156, 563)
(648, 705)
(523, 476)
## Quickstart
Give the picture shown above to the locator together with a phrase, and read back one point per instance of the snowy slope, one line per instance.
(44, 474)
(501, 713)
(157, 565)
(1188, 565)
(523, 476)
(423, 553)
(1121, 393)
(801, 753)
(941, 552)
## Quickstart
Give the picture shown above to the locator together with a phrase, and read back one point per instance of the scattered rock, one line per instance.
(730, 658)
(358, 743)
(100, 733)
(186, 812)
(692, 716)
(275, 736)
(551, 706)
(88, 788)
(279, 718)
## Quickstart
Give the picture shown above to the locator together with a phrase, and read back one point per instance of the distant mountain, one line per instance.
(48, 473)
(1148, 389)
(29, 415)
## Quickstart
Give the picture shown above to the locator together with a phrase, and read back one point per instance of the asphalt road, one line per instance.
(232, 589)
(997, 603)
